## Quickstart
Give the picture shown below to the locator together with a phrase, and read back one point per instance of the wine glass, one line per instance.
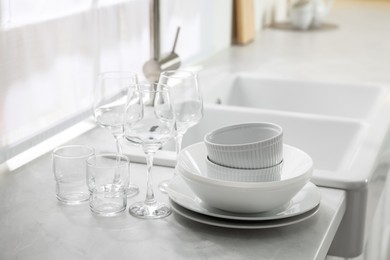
(109, 108)
(187, 105)
(149, 122)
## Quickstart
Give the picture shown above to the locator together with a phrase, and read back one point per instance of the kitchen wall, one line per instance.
(51, 52)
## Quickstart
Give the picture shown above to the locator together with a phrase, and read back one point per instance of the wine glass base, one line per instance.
(163, 186)
(132, 190)
(150, 211)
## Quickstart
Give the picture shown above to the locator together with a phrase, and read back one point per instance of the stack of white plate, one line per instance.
(197, 196)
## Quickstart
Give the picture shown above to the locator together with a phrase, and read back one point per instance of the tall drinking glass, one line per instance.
(187, 105)
(109, 108)
(149, 122)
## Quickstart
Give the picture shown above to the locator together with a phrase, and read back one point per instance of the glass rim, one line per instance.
(124, 160)
(165, 87)
(172, 73)
(90, 151)
(112, 73)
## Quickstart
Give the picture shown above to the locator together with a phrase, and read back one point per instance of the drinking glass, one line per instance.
(69, 167)
(109, 108)
(107, 178)
(187, 105)
(149, 122)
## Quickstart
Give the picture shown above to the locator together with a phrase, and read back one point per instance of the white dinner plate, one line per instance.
(305, 200)
(241, 224)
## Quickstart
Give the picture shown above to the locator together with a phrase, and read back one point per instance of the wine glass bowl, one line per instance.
(149, 122)
(110, 98)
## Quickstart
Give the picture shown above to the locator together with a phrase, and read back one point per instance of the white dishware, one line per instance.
(301, 14)
(149, 122)
(187, 105)
(321, 9)
(220, 172)
(244, 197)
(242, 224)
(246, 146)
(309, 13)
(305, 200)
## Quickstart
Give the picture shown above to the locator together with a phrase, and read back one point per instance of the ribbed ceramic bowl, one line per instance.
(246, 146)
(220, 172)
(244, 197)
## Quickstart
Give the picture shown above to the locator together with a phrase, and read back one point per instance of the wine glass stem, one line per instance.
(119, 151)
(118, 140)
(117, 132)
(178, 142)
(149, 188)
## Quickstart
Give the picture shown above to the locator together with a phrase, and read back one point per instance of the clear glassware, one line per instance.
(69, 168)
(107, 179)
(149, 122)
(187, 105)
(109, 108)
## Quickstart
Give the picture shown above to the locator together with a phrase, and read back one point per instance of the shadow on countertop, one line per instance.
(288, 27)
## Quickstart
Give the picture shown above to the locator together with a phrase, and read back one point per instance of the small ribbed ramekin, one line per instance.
(246, 146)
(220, 172)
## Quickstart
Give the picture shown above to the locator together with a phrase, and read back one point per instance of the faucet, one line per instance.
(158, 63)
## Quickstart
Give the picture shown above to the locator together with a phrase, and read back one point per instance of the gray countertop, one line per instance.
(35, 226)
(353, 46)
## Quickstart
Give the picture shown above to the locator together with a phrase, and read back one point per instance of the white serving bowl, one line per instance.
(244, 197)
(216, 171)
(246, 146)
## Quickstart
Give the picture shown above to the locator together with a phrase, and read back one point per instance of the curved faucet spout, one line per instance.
(158, 63)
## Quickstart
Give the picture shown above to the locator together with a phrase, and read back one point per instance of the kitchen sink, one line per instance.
(313, 97)
(345, 128)
(330, 142)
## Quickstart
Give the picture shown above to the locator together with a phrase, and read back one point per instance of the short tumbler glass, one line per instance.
(107, 177)
(69, 167)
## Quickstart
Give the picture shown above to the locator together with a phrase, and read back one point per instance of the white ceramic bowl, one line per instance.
(216, 171)
(244, 197)
(246, 146)
(301, 15)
